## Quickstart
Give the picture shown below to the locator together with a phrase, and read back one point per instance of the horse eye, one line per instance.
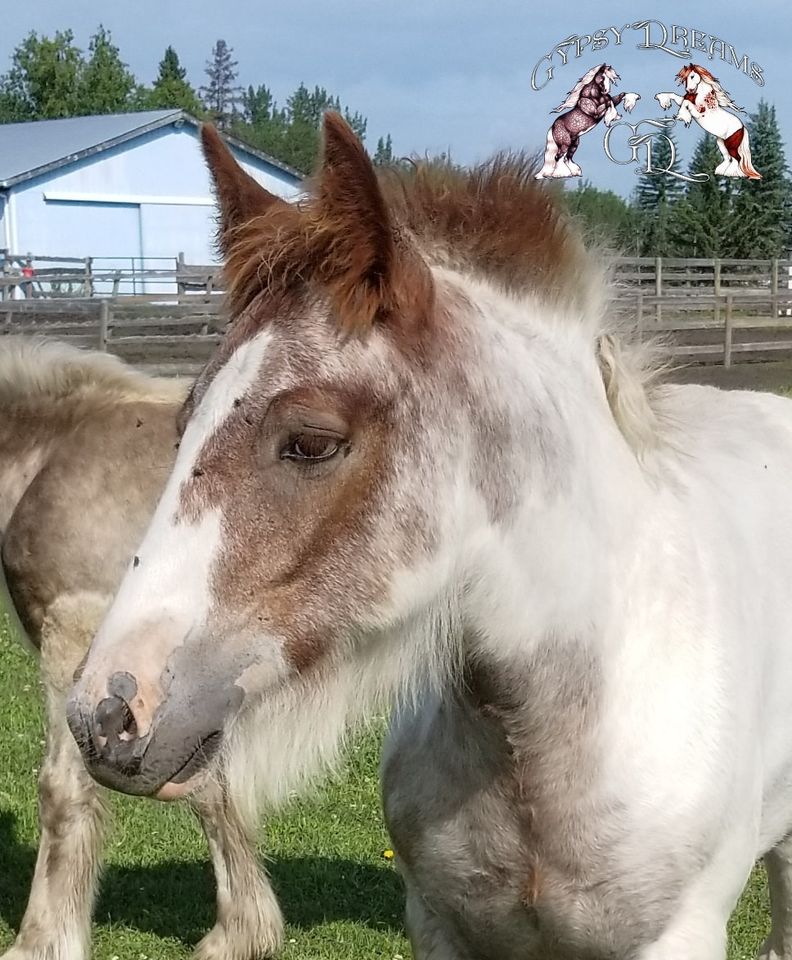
(311, 447)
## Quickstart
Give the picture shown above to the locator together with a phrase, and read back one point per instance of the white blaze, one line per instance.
(169, 584)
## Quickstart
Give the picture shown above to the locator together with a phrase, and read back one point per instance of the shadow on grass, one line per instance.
(177, 899)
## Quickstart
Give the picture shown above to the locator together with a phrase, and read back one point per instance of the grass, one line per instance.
(343, 901)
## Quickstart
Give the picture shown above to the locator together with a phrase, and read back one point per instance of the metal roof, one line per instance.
(30, 149)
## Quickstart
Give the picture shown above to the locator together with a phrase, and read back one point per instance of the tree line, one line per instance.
(51, 77)
(718, 217)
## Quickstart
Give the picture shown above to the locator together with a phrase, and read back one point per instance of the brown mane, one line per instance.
(493, 220)
(685, 72)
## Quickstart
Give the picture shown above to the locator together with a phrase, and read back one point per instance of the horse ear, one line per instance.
(367, 267)
(239, 197)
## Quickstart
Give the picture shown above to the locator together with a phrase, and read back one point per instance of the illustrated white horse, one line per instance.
(424, 466)
(706, 102)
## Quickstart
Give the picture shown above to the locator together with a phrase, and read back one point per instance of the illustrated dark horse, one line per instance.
(588, 102)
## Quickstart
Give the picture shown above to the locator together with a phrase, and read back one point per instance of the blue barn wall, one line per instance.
(149, 197)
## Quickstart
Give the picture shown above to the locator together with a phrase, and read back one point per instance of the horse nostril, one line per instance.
(115, 720)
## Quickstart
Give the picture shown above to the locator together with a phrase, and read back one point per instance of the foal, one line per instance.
(85, 447)
(420, 463)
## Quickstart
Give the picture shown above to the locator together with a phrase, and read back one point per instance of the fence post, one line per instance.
(774, 287)
(639, 308)
(181, 286)
(658, 289)
(104, 324)
(727, 333)
(89, 290)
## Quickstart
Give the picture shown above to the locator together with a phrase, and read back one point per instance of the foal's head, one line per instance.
(352, 429)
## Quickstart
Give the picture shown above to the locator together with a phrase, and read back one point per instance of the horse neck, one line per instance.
(532, 543)
(25, 441)
(548, 566)
(702, 89)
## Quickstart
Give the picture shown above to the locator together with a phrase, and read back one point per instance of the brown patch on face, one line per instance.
(311, 516)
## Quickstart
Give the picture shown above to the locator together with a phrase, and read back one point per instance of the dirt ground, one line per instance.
(741, 376)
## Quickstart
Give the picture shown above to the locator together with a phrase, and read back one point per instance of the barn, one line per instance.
(118, 188)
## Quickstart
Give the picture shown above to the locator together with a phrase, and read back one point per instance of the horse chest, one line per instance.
(507, 849)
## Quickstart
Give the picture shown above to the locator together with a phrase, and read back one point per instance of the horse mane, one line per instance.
(574, 94)
(493, 219)
(493, 222)
(35, 371)
(722, 96)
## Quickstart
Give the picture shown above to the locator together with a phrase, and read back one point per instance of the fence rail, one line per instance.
(29, 277)
(710, 311)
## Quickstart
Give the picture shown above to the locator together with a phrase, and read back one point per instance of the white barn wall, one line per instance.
(149, 197)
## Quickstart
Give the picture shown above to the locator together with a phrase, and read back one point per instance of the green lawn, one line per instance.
(341, 898)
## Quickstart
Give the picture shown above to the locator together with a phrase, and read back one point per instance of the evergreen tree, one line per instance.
(43, 80)
(606, 218)
(702, 221)
(291, 133)
(220, 95)
(657, 192)
(170, 67)
(258, 105)
(171, 89)
(105, 84)
(383, 155)
(762, 210)
(657, 186)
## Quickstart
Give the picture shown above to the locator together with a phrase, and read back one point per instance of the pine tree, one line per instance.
(383, 156)
(170, 67)
(606, 218)
(291, 133)
(657, 186)
(171, 89)
(258, 105)
(702, 220)
(762, 212)
(105, 83)
(220, 95)
(43, 79)
(657, 192)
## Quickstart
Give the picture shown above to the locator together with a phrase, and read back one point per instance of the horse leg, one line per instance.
(779, 876)
(249, 923)
(57, 921)
(430, 939)
(574, 169)
(722, 167)
(697, 931)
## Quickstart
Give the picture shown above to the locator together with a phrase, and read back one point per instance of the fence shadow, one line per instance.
(177, 899)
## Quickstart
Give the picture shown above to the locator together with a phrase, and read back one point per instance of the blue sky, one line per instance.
(436, 74)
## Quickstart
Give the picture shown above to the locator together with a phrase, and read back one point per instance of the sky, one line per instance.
(443, 75)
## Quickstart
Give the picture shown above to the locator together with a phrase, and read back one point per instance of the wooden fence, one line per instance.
(176, 337)
(52, 278)
(709, 311)
(31, 277)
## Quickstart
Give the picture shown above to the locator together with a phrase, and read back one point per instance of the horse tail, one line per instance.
(744, 153)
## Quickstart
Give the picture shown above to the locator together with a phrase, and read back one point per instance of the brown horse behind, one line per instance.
(86, 445)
